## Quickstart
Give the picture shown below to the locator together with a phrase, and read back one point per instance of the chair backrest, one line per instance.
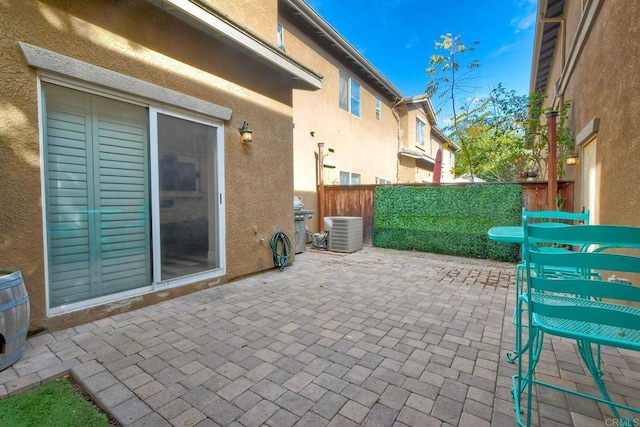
(569, 218)
(587, 285)
(556, 219)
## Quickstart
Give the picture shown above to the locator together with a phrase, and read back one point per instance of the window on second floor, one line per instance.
(350, 178)
(349, 94)
(420, 128)
(382, 180)
(378, 109)
(280, 36)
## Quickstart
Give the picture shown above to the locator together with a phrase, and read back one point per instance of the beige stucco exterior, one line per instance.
(137, 39)
(368, 145)
(417, 160)
(595, 66)
(260, 17)
(218, 60)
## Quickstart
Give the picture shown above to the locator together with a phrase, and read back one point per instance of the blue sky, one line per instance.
(397, 37)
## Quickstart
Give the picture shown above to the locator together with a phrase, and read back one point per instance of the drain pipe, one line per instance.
(552, 162)
(398, 136)
(321, 187)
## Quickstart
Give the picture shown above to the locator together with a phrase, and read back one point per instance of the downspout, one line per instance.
(321, 187)
(398, 137)
(552, 162)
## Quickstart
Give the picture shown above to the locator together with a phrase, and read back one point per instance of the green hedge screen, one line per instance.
(451, 220)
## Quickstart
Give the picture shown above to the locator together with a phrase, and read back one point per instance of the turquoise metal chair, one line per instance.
(546, 219)
(583, 307)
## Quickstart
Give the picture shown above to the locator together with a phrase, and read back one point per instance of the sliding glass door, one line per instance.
(133, 197)
(188, 190)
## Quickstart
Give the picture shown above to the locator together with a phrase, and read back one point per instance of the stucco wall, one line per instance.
(605, 84)
(137, 39)
(361, 145)
(261, 17)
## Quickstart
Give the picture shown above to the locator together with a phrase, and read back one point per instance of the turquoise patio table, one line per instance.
(515, 233)
(507, 234)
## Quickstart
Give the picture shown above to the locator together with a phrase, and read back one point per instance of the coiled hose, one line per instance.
(281, 256)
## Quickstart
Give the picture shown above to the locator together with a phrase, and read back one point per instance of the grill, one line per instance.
(300, 216)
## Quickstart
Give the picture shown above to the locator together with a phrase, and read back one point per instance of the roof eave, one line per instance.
(312, 18)
(207, 20)
(549, 16)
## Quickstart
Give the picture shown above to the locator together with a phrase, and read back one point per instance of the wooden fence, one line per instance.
(357, 200)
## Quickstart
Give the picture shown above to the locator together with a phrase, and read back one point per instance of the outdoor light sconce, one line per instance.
(572, 159)
(245, 132)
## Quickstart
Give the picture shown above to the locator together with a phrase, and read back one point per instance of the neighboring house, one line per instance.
(588, 52)
(367, 125)
(125, 180)
(421, 141)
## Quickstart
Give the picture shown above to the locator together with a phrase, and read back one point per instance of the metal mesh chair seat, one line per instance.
(596, 333)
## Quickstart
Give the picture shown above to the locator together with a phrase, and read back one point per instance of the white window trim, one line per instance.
(155, 198)
(378, 109)
(280, 33)
(350, 80)
(153, 109)
(424, 136)
(351, 177)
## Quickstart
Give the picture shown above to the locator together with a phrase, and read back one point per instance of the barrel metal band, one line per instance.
(10, 282)
(19, 334)
(14, 303)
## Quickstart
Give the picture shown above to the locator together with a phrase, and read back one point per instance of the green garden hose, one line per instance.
(281, 257)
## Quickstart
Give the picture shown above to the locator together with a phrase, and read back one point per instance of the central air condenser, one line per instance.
(345, 233)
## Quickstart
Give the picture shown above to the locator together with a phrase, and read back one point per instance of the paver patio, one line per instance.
(376, 338)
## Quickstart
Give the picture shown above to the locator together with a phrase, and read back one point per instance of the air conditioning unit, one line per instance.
(345, 233)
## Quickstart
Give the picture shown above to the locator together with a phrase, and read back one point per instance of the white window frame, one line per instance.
(421, 128)
(378, 109)
(385, 181)
(280, 37)
(350, 95)
(153, 109)
(155, 196)
(351, 176)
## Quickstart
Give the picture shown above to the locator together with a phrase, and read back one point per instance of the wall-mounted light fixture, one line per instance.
(245, 132)
(572, 159)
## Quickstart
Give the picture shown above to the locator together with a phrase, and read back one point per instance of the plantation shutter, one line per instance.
(97, 196)
(123, 226)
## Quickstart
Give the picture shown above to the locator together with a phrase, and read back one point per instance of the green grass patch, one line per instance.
(55, 404)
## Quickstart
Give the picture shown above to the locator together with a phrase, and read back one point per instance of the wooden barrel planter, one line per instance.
(14, 317)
